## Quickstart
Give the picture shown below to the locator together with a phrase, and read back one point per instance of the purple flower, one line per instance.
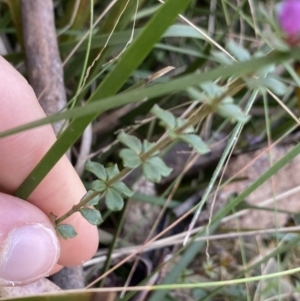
(289, 20)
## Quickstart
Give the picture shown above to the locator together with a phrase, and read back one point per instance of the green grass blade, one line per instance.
(121, 38)
(175, 85)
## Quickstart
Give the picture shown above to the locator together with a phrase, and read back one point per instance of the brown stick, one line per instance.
(45, 72)
(44, 65)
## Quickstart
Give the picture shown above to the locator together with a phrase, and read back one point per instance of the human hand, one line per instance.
(29, 247)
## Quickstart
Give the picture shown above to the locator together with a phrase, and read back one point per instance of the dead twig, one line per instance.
(44, 65)
(45, 72)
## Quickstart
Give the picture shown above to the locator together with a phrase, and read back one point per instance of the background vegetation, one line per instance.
(207, 88)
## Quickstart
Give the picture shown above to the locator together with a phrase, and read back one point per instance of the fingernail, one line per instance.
(29, 253)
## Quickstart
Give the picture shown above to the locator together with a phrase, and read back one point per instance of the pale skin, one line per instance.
(58, 192)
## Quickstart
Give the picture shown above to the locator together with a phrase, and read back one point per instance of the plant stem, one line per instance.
(113, 243)
(234, 87)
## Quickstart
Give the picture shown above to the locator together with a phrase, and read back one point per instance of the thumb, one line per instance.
(29, 248)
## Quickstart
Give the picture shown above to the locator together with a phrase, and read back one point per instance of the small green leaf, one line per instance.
(130, 158)
(221, 57)
(65, 231)
(131, 142)
(296, 218)
(147, 146)
(279, 44)
(255, 83)
(181, 122)
(196, 142)
(97, 169)
(172, 134)
(238, 51)
(98, 185)
(93, 216)
(154, 168)
(212, 90)
(160, 165)
(94, 201)
(274, 85)
(151, 173)
(227, 99)
(112, 171)
(199, 294)
(113, 200)
(265, 14)
(195, 94)
(266, 69)
(122, 189)
(232, 112)
(166, 117)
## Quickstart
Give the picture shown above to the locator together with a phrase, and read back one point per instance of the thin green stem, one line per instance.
(268, 131)
(87, 54)
(219, 167)
(243, 252)
(76, 208)
(113, 243)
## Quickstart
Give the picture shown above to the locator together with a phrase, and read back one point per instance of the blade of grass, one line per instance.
(113, 243)
(231, 143)
(175, 85)
(119, 38)
(116, 19)
(70, 22)
(15, 11)
(177, 30)
(84, 68)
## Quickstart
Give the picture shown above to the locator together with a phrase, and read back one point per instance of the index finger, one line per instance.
(19, 154)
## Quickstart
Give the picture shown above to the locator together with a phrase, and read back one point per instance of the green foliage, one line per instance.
(154, 168)
(131, 142)
(130, 158)
(231, 111)
(178, 128)
(98, 185)
(166, 117)
(137, 154)
(238, 51)
(93, 216)
(112, 171)
(213, 87)
(122, 189)
(275, 85)
(114, 200)
(111, 189)
(196, 142)
(224, 107)
(97, 169)
(212, 91)
(221, 57)
(113, 82)
(65, 231)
